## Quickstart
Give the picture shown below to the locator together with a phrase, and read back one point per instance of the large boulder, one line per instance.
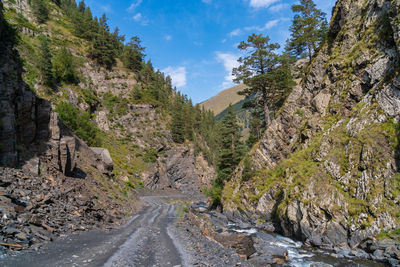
(103, 160)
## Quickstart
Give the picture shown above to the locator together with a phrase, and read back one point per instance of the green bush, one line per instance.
(110, 101)
(64, 66)
(80, 123)
(214, 193)
(248, 171)
(150, 155)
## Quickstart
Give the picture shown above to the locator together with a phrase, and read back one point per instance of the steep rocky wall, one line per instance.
(32, 137)
(181, 169)
(328, 164)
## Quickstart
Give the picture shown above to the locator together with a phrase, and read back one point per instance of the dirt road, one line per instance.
(143, 241)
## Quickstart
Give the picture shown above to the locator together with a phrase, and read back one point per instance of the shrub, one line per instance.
(64, 66)
(150, 156)
(248, 171)
(79, 122)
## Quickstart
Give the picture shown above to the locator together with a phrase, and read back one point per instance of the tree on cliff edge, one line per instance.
(309, 28)
(266, 74)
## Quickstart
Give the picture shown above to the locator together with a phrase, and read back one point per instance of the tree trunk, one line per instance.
(266, 112)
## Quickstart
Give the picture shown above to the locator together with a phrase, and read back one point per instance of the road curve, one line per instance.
(143, 241)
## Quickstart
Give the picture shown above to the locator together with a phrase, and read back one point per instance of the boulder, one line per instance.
(103, 162)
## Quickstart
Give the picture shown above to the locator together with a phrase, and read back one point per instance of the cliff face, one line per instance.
(33, 137)
(328, 165)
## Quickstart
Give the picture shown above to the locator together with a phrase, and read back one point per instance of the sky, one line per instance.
(195, 41)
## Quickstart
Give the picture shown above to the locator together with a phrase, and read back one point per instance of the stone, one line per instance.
(21, 236)
(104, 161)
(378, 254)
(341, 98)
(321, 102)
(10, 231)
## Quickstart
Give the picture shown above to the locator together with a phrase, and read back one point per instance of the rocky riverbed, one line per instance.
(269, 248)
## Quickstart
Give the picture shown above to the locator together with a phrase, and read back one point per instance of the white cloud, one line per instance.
(262, 3)
(278, 7)
(236, 32)
(230, 61)
(268, 25)
(168, 37)
(137, 17)
(178, 75)
(134, 5)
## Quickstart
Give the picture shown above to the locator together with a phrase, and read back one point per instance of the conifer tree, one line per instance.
(309, 28)
(44, 62)
(103, 48)
(231, 146)
(265, 73)
(39, 9)
(133, 54)
(177, 125)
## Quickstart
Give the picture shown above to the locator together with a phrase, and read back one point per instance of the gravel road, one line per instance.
(143, 241)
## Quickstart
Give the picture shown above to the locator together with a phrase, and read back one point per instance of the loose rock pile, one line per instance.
(35, 209)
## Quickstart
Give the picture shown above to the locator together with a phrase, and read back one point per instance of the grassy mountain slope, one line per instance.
(221, 101)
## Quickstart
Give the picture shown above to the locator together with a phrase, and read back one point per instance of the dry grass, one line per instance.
(222, 100)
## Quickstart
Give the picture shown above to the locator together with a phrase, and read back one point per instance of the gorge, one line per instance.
(104, 163)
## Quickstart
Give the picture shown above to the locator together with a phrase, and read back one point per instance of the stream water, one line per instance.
(298, 254)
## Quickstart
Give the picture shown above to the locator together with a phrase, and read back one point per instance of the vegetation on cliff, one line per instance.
(104, 90)
(329, 159)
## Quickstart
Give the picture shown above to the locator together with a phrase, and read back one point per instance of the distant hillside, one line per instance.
(222, 100)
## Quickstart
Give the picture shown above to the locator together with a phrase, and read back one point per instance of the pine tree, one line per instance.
(39, 9)
(309, 28)
(103, 48)
(177, 125)
(265, 73)
(133, 54)
(189, 119)
(44, 62)
(231, 146)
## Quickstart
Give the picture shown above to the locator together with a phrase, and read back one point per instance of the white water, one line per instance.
(298, 255)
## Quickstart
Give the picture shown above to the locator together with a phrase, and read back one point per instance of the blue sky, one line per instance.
(195, 41)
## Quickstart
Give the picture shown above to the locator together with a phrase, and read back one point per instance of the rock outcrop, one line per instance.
(329, 163)
(32, 136)
(181, 169)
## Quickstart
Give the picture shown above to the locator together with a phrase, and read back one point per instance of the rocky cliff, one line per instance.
(65, 185)
(327, 168)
